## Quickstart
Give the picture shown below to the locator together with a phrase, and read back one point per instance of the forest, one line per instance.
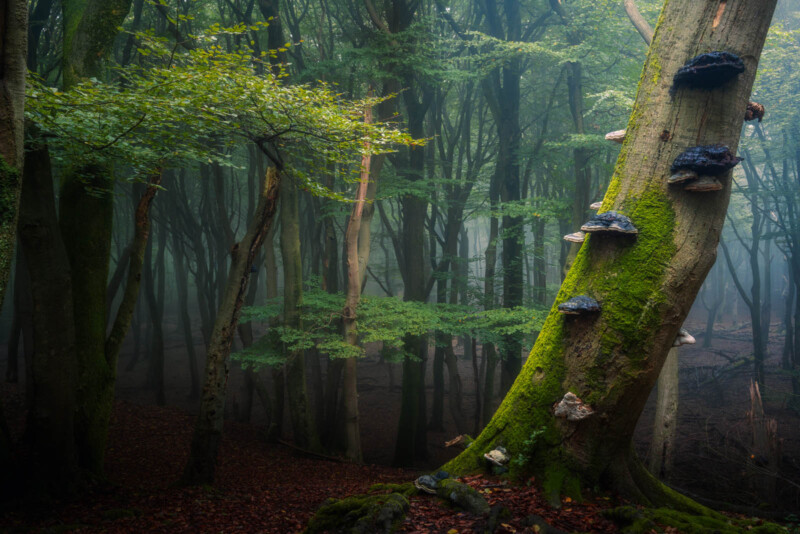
(433, 266)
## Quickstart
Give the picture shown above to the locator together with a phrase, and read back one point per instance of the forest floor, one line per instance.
(273, 488)
(261, 488)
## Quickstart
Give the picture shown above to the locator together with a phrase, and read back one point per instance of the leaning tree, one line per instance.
(645, 284)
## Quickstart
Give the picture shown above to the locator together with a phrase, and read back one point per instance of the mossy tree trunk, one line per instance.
(85, 216)
(646, 285)
(13, 52)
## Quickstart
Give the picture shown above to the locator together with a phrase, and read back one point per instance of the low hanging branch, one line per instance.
(122, 321)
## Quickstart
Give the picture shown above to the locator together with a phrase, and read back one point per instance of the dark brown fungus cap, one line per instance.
(711, 160)
(579, 305)
(707, 71)
(610, 222)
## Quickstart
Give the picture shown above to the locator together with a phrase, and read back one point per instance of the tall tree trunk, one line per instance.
(85, 218)
(350, 312)
(201, 465)
(645, 285)
(13, 52)
(303, 428)
(52, 382)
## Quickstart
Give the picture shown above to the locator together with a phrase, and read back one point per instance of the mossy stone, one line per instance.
(463, 496)
(360, 514)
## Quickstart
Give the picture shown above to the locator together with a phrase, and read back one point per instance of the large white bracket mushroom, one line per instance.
(572, 408)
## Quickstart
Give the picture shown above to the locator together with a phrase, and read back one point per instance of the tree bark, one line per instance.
(645, 285)
(13, 52)
(50, 434)
(201, 465)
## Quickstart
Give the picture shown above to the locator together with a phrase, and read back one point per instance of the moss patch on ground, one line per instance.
(632, 520)
(360, 514)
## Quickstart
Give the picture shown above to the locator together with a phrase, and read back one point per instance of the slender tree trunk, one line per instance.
(201, 465)
(181, 278)
(154, 279)
(305, 434)
(350, 312)
(645, 285)
(662, 447)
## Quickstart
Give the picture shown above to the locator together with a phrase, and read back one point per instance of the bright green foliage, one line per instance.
(192, 107)
(380, 319)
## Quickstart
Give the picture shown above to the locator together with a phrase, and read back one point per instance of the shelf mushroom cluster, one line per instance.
(699, 167)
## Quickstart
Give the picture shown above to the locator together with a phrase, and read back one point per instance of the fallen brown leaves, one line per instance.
(262, 488)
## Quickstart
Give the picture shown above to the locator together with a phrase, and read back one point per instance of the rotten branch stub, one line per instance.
(684, 338)
(707, 71)
(580, 305)
(610, 222)
(754, 111)
(572, 408)
(699, 167)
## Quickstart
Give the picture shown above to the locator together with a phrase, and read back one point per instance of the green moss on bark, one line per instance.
(9, 208)
(632, 520)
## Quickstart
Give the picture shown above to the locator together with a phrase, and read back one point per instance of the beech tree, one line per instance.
(645, 285)
(13, 51)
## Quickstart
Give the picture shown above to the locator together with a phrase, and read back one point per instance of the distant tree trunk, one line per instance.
(489, 352)
(662, 447)
(646, 286)
(788, 325)
(303, 428)
(182, 286)
(201, 465)
(271, 267)
(154, 279)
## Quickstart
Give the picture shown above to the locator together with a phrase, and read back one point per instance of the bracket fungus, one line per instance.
(618, 136)
(701, 165)
(575, 237)
(572, 408)
(610, 222)
(683, 338)
(580, 305)
(707, 71)
(498, 456)
(596, 205)
(754, 111)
